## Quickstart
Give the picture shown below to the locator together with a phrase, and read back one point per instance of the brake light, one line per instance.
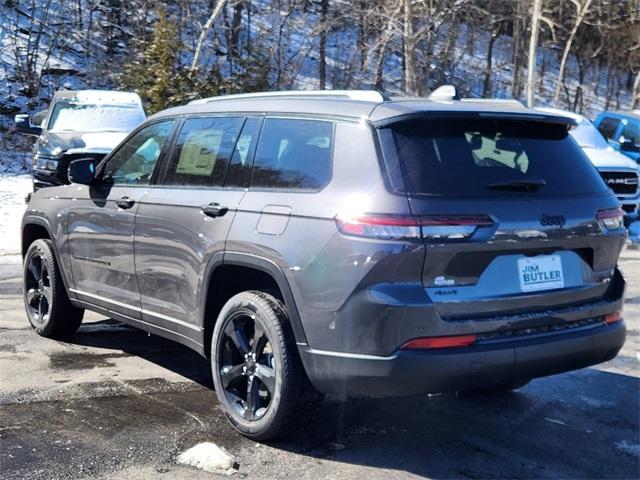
(432, 227)
(613, 317)
(611, 218)
(439, 342)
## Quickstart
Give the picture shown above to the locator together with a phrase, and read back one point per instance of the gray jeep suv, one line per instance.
(339, 242)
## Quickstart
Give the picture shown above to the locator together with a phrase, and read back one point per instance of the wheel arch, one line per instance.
(36, 228)
(258, 273)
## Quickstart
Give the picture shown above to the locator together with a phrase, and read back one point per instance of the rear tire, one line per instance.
(257, 373)
(46, 302)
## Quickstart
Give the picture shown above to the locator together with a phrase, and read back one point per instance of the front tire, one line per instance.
(257, 373)
(48, 307)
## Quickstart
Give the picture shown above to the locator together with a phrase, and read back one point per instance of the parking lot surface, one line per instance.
(116, 403)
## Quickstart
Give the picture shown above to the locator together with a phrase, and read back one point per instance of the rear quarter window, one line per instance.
(293, 154)
(485, 157)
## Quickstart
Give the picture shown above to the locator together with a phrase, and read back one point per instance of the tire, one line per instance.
(46, 302)
(253, 350)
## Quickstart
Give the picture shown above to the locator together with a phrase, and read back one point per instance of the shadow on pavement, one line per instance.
(112, 335)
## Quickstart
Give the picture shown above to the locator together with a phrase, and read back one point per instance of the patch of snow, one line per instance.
(632, 448)
(595, 403)
(553, 420)
(209, 457)
(13, 189)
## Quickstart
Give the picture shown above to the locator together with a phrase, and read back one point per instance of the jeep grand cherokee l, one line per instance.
(339, 242)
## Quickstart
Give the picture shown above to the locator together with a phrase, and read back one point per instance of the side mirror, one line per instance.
(39, 118)
(23, 125)
(82, 171)
(628, 146)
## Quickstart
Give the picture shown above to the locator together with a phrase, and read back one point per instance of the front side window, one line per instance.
(464, 157)
(203, 151)
(631, 132)
(608, 127)
(293, 154)
(134, 162)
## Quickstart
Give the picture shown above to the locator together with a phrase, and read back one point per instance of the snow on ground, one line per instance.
(13, 189)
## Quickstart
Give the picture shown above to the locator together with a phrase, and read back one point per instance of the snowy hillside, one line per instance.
(273, 45)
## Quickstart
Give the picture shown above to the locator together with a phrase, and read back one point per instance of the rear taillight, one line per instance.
(380, 226)
(611, 219)
(432, 227)
(439, 342)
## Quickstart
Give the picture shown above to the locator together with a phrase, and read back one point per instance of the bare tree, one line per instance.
(203, 34)
(582, 9)
(533, 46)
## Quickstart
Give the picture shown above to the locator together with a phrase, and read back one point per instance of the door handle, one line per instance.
(214, 210)
(125, 202)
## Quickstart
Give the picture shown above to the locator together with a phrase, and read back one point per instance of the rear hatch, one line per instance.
(514, 217)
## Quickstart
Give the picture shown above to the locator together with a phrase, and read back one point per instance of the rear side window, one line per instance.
(608, 126)
(485, 157)
(239, 173)
(293, 154)
(203, 151)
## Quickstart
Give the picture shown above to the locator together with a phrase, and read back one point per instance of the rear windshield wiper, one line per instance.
(518, 185)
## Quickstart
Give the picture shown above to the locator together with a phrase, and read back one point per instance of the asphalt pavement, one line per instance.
(115, 403)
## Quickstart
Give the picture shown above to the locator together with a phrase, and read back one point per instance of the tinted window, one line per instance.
(477, 157)
(608, 126)
(293, 154)
(203, 151)
(240, 169)
(133, 163)
(631, 131)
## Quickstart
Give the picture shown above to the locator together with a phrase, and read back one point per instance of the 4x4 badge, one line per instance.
(549, 220)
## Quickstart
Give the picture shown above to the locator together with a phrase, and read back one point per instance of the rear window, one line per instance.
(485, 157)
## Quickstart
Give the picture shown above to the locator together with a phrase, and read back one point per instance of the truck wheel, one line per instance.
(257, 373)
(48, 307)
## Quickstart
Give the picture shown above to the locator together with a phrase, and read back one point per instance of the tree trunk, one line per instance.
(322, 61)
(203, 34)
(533, 45)
(486, 87)
(580, 14)
(409, 50)
(635, 100)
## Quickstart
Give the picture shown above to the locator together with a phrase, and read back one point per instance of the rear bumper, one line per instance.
(481, 365)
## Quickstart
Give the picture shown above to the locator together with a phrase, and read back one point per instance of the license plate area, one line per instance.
(540, 273)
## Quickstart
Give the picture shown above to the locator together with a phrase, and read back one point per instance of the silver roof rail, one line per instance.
(508, 101)
(360, 95)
